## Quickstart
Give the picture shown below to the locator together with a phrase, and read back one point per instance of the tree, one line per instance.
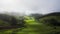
(52, 22)
(52, 19)
(11, 20)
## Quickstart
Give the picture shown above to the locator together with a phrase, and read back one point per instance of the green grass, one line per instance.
(32, 28)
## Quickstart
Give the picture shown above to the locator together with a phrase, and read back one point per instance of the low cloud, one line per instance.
(30, 6)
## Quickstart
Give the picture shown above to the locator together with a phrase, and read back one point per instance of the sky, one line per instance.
(29, 6)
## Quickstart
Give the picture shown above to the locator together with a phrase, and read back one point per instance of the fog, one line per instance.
(29, 6)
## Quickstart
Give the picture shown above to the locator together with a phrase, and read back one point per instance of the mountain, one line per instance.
(51, 14)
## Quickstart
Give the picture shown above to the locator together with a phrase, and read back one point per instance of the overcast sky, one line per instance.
(30, 6)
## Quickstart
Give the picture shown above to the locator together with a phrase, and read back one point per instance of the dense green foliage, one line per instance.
(51, 20)
(9, 21)
(49, 24)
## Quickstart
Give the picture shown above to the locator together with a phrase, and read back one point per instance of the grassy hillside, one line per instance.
(34, 27)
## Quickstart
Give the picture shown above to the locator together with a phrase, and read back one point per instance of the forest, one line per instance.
(30, 24)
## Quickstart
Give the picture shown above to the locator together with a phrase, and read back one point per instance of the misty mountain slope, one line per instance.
(52, 19)
(52, 14)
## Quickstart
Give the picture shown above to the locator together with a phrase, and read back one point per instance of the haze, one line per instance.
(29, 6)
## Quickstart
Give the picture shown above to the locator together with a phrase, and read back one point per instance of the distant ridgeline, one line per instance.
(51, 14)
(7, 19)
(52, 19)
